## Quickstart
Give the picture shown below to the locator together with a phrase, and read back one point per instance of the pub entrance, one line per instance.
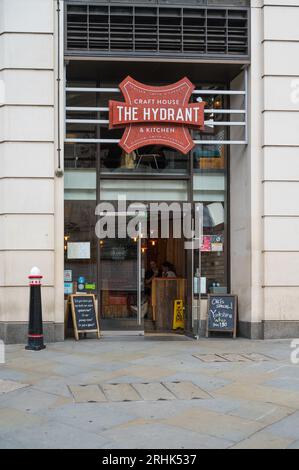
(96, 169)
(142, 274)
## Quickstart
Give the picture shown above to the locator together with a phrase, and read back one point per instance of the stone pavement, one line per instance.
(140, 393)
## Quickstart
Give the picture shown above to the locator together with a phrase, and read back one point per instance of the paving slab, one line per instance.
(266, 413)
(248, 376)
(153, 410)
(64, 370)
(215, 424)
(54, 385)
(160, 436)
(285, 383)
(210, 358)
(120, 392)
(95, 377)
(11, 420)
(263, 440)
(7, 386)
(153, 391)
(92, 417)
(255, 357)
(223, 405)
(27, 376)
(287, 427)
(87, 394)
(29, 400)
(53, 435)
(260, 393)
(294, 446)
(287, 371)
(8, 443)
(230, 357)
(37, 365)
(201, 379)
(186, 391)
(129, 379)
(151, 374)
(253, 404)
(15, 375)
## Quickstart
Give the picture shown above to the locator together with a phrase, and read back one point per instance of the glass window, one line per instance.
(121, 173)
(80, 247)
(79, 155)
(144, 190)
(212, 263)
(80, 185)
(152, 159)
(213, 251)
(210, 188)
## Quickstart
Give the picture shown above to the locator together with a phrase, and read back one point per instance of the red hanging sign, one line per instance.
(156, 115)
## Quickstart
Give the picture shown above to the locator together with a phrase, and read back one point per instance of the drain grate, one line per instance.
(186, 391)
(120, 392)
(87, 394)
(149, 391)
(153, 391)
(232, 357)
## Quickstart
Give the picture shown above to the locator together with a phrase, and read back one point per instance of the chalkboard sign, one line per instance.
(222, 314)
(84, 315)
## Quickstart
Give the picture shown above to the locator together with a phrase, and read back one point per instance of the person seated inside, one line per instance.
(168, 270)
(150, 275)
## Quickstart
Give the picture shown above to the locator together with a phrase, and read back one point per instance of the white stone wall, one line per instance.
(281, 159)
(246, 195)
(30, 198)
(268, 216)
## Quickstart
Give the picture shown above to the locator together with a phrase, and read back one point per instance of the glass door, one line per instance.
(199, 282)
(123, 305)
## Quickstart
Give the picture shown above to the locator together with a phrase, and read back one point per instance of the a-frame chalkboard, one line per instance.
(83, 312)
(222, 314)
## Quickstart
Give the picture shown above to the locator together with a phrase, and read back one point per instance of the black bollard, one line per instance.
(35, 331)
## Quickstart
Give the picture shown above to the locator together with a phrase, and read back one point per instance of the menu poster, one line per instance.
(68, 288)
(212, 243)
(206, 243)
(222, 314)
(78, 250)
(217, 243)
(68, 275)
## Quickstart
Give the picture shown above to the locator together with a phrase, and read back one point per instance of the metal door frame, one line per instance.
(139, 319)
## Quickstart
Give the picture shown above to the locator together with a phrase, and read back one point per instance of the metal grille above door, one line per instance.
(102, 29)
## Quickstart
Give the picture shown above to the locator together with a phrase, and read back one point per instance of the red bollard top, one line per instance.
(35, 277)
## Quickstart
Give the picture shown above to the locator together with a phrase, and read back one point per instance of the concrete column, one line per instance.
(27, 163)
(281, 167)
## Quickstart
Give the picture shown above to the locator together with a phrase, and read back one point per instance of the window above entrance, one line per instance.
(198, 28)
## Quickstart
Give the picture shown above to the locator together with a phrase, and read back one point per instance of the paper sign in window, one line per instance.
(78, 250)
